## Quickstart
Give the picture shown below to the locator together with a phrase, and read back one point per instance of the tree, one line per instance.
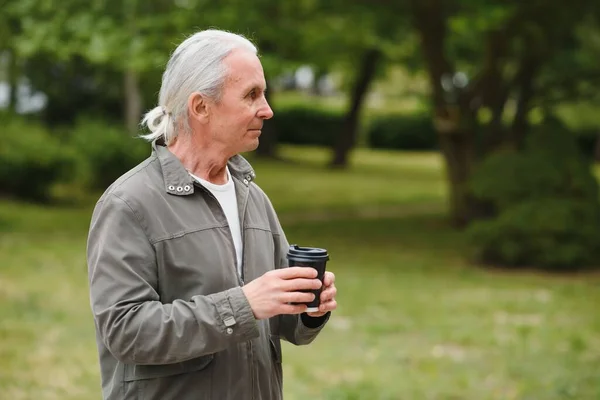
(10, 27)
(131, 37)
(361, 37)
(510, 51)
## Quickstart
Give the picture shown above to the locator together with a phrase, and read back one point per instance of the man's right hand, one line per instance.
(271, 294)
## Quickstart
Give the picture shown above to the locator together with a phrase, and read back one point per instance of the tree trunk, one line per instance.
(320, 72)
(457, 146)
(346, 138)
(268, 138)
(491, 91)
(452, 116)
(597, 149)
(133, 101)
(524, 82)
(133, 95)
(13, 81)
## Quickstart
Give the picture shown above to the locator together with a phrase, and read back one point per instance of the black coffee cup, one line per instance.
(312, 257)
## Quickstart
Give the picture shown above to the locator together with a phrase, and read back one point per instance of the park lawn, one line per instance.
(415, 321)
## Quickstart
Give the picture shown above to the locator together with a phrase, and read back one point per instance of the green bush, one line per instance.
(403, 132)
(307, 126)
(31, 161)
(586, 139)
(546, 211)
(105, 152)
(585, 132)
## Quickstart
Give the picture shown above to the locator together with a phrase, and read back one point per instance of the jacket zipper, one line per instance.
(243, 231)
(237, 272)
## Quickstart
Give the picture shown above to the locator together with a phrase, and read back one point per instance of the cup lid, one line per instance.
(308, 253)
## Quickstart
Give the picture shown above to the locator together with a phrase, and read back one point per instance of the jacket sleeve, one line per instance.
(297, 329)
(130, 319)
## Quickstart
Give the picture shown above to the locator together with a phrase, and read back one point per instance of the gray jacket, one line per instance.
(172, 321)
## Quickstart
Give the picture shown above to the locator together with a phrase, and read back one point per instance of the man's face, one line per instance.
(237, 119)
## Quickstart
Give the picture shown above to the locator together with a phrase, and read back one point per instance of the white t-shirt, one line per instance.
(225, 194)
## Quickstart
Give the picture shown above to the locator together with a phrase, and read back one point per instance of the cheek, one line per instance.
(247, 118)
(238, 120)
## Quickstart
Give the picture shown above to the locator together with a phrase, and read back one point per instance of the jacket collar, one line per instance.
(177, 179)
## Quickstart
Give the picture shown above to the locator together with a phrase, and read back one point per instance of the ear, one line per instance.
(198, 107)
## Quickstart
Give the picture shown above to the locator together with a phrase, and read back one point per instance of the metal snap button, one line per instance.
(171, 187)
(187, 188)
(245, 181)
(179, 189)
(229, 331)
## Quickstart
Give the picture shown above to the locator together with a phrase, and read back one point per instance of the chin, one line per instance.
(250, 146)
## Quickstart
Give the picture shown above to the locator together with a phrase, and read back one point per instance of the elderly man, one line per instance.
(189, 283)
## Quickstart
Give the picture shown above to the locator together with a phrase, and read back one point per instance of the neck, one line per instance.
(204, 161)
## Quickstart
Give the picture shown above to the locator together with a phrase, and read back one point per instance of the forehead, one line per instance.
(244, 70)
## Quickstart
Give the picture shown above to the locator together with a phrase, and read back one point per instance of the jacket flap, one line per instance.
(139, 372)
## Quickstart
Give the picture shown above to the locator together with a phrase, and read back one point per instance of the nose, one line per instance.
(265, 112)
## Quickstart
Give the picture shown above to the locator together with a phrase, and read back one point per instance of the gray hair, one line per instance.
(196, 65)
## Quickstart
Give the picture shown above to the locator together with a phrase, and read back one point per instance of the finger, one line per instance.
(316, 314)
(292, 309)
(328, 294)
(297, 297)
(292, 285)
(329, 278)
(296, 272)
(328, 306)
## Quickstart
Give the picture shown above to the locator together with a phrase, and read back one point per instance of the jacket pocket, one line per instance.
(141, 372)
(277, 374)
(275, 348)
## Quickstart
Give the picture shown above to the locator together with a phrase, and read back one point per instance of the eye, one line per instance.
(253, 94)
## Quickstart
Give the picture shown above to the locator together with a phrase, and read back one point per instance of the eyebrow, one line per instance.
(259, 87)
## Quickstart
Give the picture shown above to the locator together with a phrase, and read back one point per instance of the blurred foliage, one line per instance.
(128, 34)
(544, 208)
(281, 42)
(587, 140)
(501, 40)
(400, 131)
(504, 59)
(582, 118)
(308, 125)
(31, 163)
(88, 156)
(101, 60)
(340, 31)
(76, 88)
(304, 124)
(104, 152)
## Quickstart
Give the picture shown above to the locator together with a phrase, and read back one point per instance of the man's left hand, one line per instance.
(328, 293)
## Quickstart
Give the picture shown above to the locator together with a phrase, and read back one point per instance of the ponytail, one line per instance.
(160, 124)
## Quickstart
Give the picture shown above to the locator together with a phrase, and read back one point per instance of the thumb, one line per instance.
(297, 272)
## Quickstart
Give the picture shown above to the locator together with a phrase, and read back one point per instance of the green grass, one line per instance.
(377, 179)
(415, 319)
(416, 322)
